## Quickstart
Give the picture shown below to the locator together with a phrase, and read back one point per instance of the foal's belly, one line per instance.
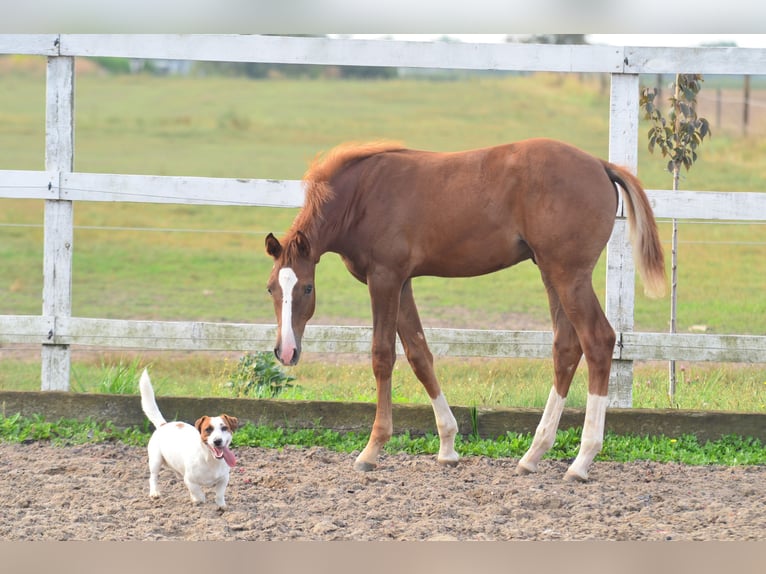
(473, 257)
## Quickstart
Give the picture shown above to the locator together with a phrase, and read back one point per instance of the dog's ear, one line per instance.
(231, 422)
(201, 422)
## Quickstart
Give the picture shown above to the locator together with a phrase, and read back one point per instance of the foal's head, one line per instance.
(291, 285)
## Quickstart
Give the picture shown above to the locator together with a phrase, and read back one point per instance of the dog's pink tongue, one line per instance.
(229, 457)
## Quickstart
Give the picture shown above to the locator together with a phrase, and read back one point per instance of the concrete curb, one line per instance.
(125, 410)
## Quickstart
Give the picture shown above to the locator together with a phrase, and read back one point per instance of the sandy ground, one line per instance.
(100, 492)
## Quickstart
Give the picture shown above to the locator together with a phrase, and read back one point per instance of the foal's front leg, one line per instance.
(385, 308)
(421, 360)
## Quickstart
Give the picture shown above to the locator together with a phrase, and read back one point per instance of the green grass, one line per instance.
(214, 268)
(116, 379)
(729, 450)
(67, 432)
(466, 382)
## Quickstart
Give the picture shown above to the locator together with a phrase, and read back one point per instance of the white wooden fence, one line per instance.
(56, 330)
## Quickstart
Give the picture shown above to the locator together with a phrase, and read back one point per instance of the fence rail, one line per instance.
(56, 330)
(210, 336)
(392, 53)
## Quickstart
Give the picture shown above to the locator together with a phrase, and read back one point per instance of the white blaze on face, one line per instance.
(287, 281)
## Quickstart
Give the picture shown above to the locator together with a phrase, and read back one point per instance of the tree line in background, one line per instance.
(254, 70)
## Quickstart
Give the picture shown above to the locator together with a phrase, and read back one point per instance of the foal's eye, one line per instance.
(308, 289)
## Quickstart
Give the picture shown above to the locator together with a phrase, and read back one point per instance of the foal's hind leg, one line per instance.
(421, 360)
(597, 340)
(566, 356)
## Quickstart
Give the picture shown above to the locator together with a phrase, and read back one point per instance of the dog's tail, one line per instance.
(148, 404)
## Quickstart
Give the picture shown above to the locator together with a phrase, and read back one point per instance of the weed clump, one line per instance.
(258, 375)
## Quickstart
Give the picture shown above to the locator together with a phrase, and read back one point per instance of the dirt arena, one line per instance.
(100, 492)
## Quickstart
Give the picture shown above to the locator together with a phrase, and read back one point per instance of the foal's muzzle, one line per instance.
(287, 361)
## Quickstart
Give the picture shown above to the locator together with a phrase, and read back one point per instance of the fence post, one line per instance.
(59, 218)
(620, 268)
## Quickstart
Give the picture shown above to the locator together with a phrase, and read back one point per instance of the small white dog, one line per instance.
(199, 453)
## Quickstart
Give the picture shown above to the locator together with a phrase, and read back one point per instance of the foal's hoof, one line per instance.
(523, 470)
(570, 476)
(451, 462)
(364, 466)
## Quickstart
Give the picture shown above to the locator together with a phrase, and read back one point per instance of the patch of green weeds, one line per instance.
(258, 375)
(730, 450)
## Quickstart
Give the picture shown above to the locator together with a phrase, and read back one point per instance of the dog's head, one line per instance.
(216, 433)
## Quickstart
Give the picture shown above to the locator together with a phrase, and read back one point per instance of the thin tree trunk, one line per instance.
(673, 291)
(673, 307)
(674, 258)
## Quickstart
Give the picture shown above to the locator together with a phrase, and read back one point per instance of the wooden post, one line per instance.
(620, 268)
(59, 219)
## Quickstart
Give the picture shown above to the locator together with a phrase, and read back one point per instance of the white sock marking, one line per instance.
(545, 434)
(592, 435)
(447, 427)
(287, 281)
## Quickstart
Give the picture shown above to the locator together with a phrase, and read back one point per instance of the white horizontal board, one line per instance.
(694, 347)
(480, 343)
(169, 335)
(712, 205)
(34, 329)
(458, 55)
(29, 44)
(442, 342)
(326, 51)
(19, 184)
(722, 60)
(186, 190)
(199, 336)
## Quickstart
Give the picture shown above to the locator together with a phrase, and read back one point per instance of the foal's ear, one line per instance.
(303, 244)
(273, 247)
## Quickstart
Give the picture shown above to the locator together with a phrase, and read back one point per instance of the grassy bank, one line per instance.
(466, 382)
(207, 263)
(730, 450)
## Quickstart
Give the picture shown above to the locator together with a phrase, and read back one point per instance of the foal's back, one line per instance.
(473, 212)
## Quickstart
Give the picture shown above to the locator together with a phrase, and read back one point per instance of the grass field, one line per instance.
(207, 263)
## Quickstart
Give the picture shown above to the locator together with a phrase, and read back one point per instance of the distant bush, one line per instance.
(114, 65)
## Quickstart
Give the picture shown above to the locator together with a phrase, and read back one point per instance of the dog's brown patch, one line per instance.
(202, 425)
(231, 422)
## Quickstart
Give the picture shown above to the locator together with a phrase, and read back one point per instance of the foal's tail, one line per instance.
(647, 249)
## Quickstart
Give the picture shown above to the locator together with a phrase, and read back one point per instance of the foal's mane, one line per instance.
(317, 178)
